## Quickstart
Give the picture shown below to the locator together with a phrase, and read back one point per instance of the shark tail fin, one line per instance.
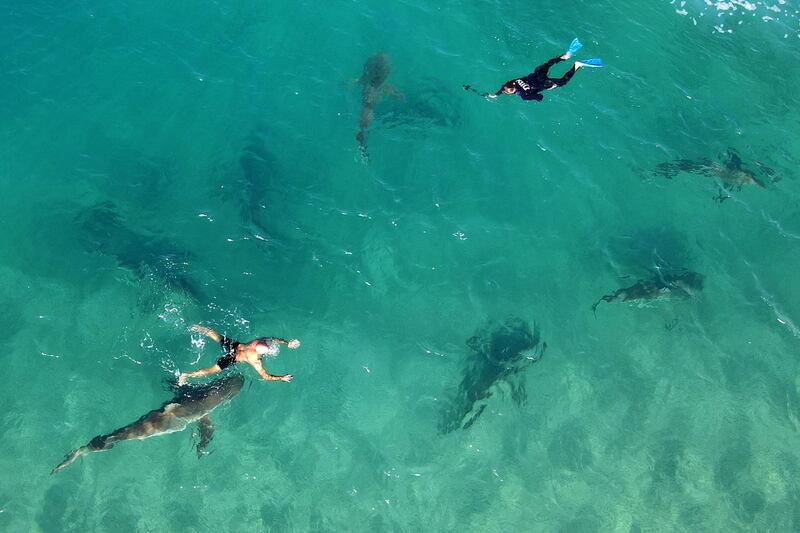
(97, 444)
(362, 146)
(607, 298)
(471, 420)
(70, 458)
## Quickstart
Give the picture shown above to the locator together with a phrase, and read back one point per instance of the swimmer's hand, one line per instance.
(294, 343)
(287, 378)
(471, 88)
(182, 379)
(197, 328)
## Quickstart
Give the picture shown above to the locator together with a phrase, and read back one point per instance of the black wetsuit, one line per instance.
(229, 346)
(531, 86)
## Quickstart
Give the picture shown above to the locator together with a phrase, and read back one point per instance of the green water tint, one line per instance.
(174, 164)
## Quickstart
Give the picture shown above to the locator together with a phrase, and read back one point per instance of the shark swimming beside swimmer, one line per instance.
(190, 404)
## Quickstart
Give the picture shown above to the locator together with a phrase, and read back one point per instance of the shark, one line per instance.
(104, 230)
(730, 171)
(190, 404)
(682, 284)
(373, 89)
(259, 171)
(431, 105)
(498, 353)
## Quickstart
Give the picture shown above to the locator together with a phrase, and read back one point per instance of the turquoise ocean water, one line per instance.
(169, 163)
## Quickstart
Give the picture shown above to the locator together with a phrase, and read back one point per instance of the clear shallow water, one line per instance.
(130, 209)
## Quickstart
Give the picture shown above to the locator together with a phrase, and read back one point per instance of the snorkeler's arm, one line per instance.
(266, 376)
(208, 332)
(532, 96)
(199, 373)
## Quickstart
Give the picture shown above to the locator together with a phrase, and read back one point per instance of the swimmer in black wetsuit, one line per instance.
(241, 352)
(531, 86)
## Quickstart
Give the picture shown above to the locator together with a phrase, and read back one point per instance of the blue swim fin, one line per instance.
(595, 62)
(574, 46)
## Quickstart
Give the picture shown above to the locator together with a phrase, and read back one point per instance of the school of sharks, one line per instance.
(498, 352)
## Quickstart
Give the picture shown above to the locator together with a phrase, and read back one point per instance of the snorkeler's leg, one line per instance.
(542, 70)
(560, 82)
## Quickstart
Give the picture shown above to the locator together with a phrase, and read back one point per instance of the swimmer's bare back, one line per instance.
(241, 352)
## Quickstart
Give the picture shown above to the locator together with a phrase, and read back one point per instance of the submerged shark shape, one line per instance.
(431, 105)
(373, 89)
(104, 231)
(259, 171)
(682, 284)
(498, 354)
(730, 171)
(190, 404)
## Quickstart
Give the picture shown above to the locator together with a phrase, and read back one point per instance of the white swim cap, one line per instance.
(268, 349)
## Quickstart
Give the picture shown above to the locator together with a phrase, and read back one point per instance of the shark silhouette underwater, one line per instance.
(373, 89)
(730, 171)
(190, 404)
(258, 191)
(498, 353)
(105, 231)
(432, 105)
(681, 284)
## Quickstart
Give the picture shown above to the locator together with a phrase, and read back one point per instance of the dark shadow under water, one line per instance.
(498, 353)
(147, 255)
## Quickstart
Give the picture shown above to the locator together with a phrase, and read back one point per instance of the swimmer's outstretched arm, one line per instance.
(208, 332)
(199, 373)
(294, 343)
(266, 376)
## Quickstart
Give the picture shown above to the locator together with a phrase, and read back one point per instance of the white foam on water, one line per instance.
(738, 11)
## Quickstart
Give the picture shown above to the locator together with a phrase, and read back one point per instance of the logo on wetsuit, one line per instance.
(524, 86)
